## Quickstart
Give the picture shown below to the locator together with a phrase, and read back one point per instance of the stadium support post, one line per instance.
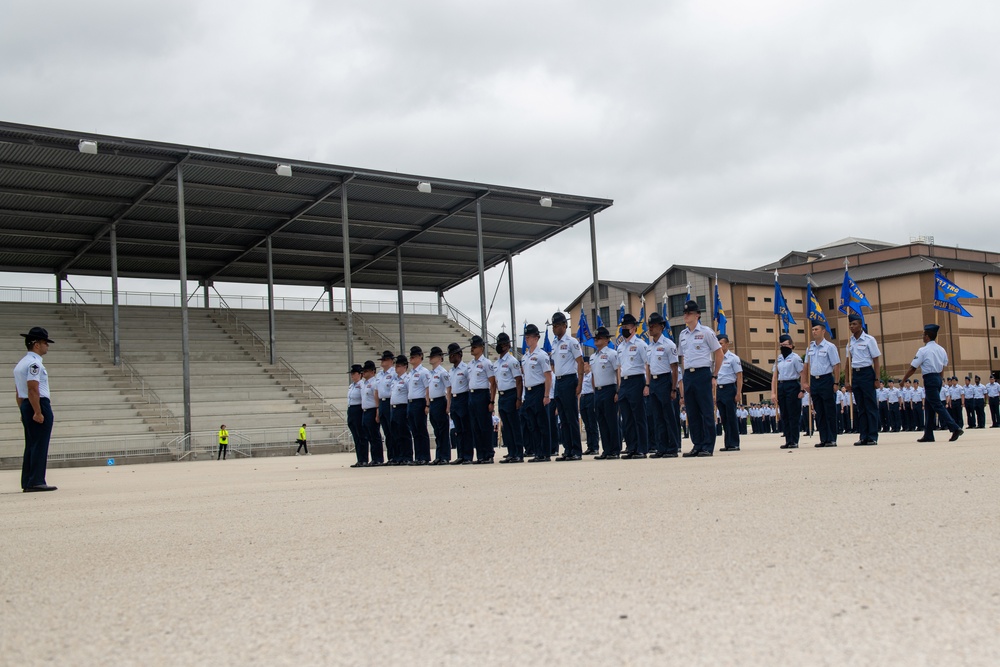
(482, 271)
(185, 338)
(596, 293)
(115, 328)
(270, 302)
(346, 233)
(399, 298)
(513, 315)
(59, 280)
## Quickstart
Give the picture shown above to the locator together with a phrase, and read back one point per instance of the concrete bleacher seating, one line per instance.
(426, 331)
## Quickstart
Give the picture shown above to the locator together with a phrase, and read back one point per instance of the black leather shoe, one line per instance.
(692, 453)
(509, 459)
(860, 443)
(865, 443)
(637, 456)
(538, 459)
(730, 449)
(606, 457)
(574, 457)
(482, 461)
(670, 455)
(789, 445)
(359, 464)
(591, 452)
(656, 455)
(40, 488)
(925, 439)
(457, 462)
(375, 464)
(627, 455)
(562, 458)
(956, 435)
(704, 454)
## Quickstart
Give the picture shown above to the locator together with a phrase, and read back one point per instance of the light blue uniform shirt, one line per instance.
(980, 390)
(480, 372)
(384, 381)
(418, 383)
(788, 368)
(931, 358)
(368, 394)
(565, 352)
(355, 393)
(993, 389)
(506, 370)
(862, 350)
(534, 366)
(892, 394)
(588, 384)
(661, 353)
(603, 365)
(440, 382)
(731, 365)
(459, 378)
(399, 389)
(822, 357)
(632, 356)
(698, 347)
(31, 368)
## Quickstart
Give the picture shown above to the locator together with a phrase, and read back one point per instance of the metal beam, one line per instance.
(185, 338)
(115, 324)
(596, 289)
(345, 230)
(118, 216)
(399, 298)
(513, 315)
(270, 303)
(277, 228)
(482, 270)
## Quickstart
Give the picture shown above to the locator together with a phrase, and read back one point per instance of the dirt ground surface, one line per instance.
(885, 555)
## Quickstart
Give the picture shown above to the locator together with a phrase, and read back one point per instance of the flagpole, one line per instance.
(847, 356)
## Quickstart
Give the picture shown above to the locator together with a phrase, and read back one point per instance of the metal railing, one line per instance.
(243, 329)
(370, 332)
(332, 411)
(125, 367)
(467, 322)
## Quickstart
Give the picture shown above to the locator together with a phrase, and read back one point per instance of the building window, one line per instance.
(802, 331)
(701, 303)
(991, 291)
(767, 299)
(753, 329)
(768, 330)
(833, 333)
(798, 301)
(677, 331)
(606, 316)
(751, 298)
(993, 321)
(770, 361)
(677, 304)
(994, 351)
(755, 361)
(602, 291)
(830, 304)
(676, 278)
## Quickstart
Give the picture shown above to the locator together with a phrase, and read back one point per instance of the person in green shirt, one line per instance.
(223, 443)
(302, 440)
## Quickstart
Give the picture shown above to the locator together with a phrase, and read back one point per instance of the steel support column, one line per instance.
(346, 234)
(441, 303)
(59, 288)
(482, 271)
(399, 298)
(204, 293)
(596, 290)
(185, 338)
(270, 302)
(115, 323)
(329, 295)
(513, 314)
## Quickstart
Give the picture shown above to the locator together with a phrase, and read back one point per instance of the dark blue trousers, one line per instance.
(791, 409)
(883, 415)
(633, 414)
(355, 419)
(569, 415)
(980, 405)
(36, 443)
(372, 434)
(895, 417)
(667, 438)
(553, 434)
(462, 435)
(607, 419)
(401, 433)
(934, 406)
(825, 402)
(385, 421)
(416, 419)
(995, 411)
(511, 420)
(866, 407)
(535, 422)
(918, 415)
(700, 408)
(725, 400)
(589, 417)
(482, 423)
(442, 435)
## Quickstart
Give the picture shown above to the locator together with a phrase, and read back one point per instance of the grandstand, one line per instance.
(232, 381)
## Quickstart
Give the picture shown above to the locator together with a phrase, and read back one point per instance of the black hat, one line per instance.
(784, 338)
(436, 352)
(401, 361)
(724, 337)
(629, 318)
(369, 365)
(387, 355)
(454, 348)
(602, 332)
(38, 333)
(692, 307)
(559, 318)
(356, 368)
(415, 351)
(931, 328)
(655, 318)
(531, 330)
(586, 358)
(977, 378)
(477, 341)
(853, 317)
(503, 338)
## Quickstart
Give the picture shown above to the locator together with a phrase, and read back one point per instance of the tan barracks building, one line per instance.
(897, 279)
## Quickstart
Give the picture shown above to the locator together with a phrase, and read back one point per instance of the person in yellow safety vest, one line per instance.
(223, 443)
(302, 440)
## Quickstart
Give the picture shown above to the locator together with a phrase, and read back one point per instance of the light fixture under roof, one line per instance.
(546, 202)
(88, 146)
(424, 186)
(283, 170)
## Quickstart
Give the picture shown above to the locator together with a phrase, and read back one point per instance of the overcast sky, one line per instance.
(727, 132)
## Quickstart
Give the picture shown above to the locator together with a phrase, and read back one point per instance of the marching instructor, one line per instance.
(31, 382)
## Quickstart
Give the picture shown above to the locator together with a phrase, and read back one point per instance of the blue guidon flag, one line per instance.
(947, 294)
(781, 306)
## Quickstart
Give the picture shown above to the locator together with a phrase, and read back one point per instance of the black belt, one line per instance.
(819, 377)
(661, 376)
(787, 381)
(860, 368)
(700, 368)
(399, 405)
(383, 400)
(566, 375)
(536, 386)
(436, 398)
(505, 391)
(632, 377)
(723, 386)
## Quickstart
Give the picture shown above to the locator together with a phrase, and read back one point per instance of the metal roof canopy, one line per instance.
(58, 206)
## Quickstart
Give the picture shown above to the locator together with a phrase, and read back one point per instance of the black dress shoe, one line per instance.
(538, 459)
(860, 443)
(359, 464)
(483, 461)
(590, 452)
(457, 462)
(670, 455)
(562, 458)
(730, 449)
(789, 445)
(925, 439)
(627, 455)
(956, 435)
(39, 488)
(656, 455)
(375, 464)
(692, 453)
(606, 457)
(637, 456)
(574, 457)
(703, 454)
